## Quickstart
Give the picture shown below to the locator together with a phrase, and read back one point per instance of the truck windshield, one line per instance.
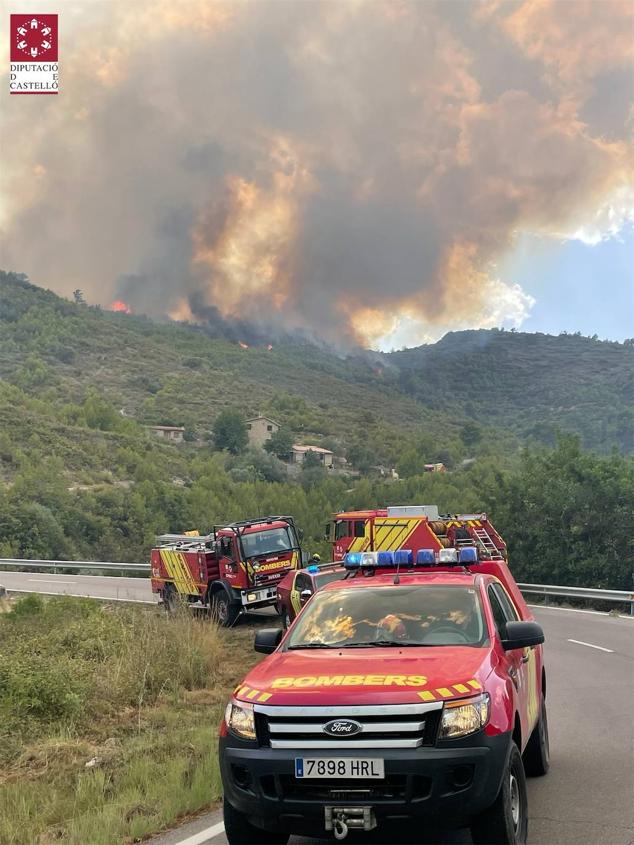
(271, 542)
(407, 615)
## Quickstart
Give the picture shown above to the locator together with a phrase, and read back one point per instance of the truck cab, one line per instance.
(411, 692)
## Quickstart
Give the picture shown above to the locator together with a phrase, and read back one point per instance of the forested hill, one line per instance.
(534, 384)
(528, 384)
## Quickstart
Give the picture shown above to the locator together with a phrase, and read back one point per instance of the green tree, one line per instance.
(230, 431)
(280, 443)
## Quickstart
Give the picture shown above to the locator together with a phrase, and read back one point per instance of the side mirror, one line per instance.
(300, 534)
(522, 635)
(268, 639)
(304, 596)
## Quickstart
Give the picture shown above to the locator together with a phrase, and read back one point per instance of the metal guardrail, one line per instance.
(97, 566)
(546, 590)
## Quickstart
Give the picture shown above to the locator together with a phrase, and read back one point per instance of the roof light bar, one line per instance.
(403, 557)
(468, 554)
(447, 556)
(425, 557)
(352, 560)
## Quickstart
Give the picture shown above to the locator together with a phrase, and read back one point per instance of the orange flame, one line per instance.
(120, 305)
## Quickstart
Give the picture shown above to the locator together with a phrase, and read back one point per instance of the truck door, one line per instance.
(229, 561)
(520, 662)
(351, 535)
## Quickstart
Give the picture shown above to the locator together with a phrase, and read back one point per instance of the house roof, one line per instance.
(268, 419)
(167, 428)
(298, 448)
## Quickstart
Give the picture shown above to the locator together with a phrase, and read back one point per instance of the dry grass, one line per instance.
(135, 694)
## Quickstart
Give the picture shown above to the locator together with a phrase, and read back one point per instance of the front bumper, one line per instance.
(446, 784)
(258, 596)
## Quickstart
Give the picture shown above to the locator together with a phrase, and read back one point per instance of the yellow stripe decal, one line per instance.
(461, 688)
(177, 569)
(253, 693)
(243, 690)
(446, 693)
(426, 695)
(390, 534)
(264, 696)
(474, 684)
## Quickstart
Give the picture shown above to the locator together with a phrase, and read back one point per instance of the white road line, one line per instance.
(204, 835)
(48, 581)
(590, 645)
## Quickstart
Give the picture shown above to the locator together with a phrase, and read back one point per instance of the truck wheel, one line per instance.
(537, 751)
(505, 822)
(223, 610)
(240, 831)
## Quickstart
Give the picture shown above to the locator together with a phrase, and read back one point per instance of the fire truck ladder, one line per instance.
(484, 540)
(184, 541)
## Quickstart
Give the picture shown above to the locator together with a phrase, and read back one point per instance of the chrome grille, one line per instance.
(384, 726)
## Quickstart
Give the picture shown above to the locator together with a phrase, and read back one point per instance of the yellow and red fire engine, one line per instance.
(233, 569)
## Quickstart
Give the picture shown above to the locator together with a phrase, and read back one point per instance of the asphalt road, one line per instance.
(109, 587)
(587, 797)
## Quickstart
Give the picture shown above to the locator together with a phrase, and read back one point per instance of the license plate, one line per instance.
(339, 767)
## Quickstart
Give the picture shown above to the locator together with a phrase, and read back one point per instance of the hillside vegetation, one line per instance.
(81, 477)
(534, 384)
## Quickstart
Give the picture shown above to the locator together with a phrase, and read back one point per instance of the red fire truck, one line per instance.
(233, 569)
(411, 693)
(413, 527)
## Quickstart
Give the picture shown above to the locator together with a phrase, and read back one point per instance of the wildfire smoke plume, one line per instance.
(346, 170)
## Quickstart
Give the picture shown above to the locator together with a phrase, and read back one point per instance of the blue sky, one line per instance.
(576, 286)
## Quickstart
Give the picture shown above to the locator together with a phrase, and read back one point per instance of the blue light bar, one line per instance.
(352, 560)
(468, 554)
(312, 569)
(385, 559)
(404, 557)
(447, 556)
(425, 557)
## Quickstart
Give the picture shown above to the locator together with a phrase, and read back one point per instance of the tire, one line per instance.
(223, 610)
(240, 831)
(505, 822)
(537, 751)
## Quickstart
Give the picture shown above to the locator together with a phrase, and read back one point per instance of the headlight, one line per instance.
(239, 719)
(464, 717)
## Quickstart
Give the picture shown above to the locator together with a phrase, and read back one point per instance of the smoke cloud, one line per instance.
(350, 170)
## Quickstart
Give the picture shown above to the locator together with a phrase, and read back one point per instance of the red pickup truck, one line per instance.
(412, 691)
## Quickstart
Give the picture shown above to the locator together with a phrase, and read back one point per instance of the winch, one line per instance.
(341, 819)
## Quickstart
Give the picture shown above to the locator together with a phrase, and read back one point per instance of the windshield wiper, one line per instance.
(383, 644)
(311, 645)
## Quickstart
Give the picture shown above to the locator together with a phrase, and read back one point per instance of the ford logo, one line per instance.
(342, 727)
